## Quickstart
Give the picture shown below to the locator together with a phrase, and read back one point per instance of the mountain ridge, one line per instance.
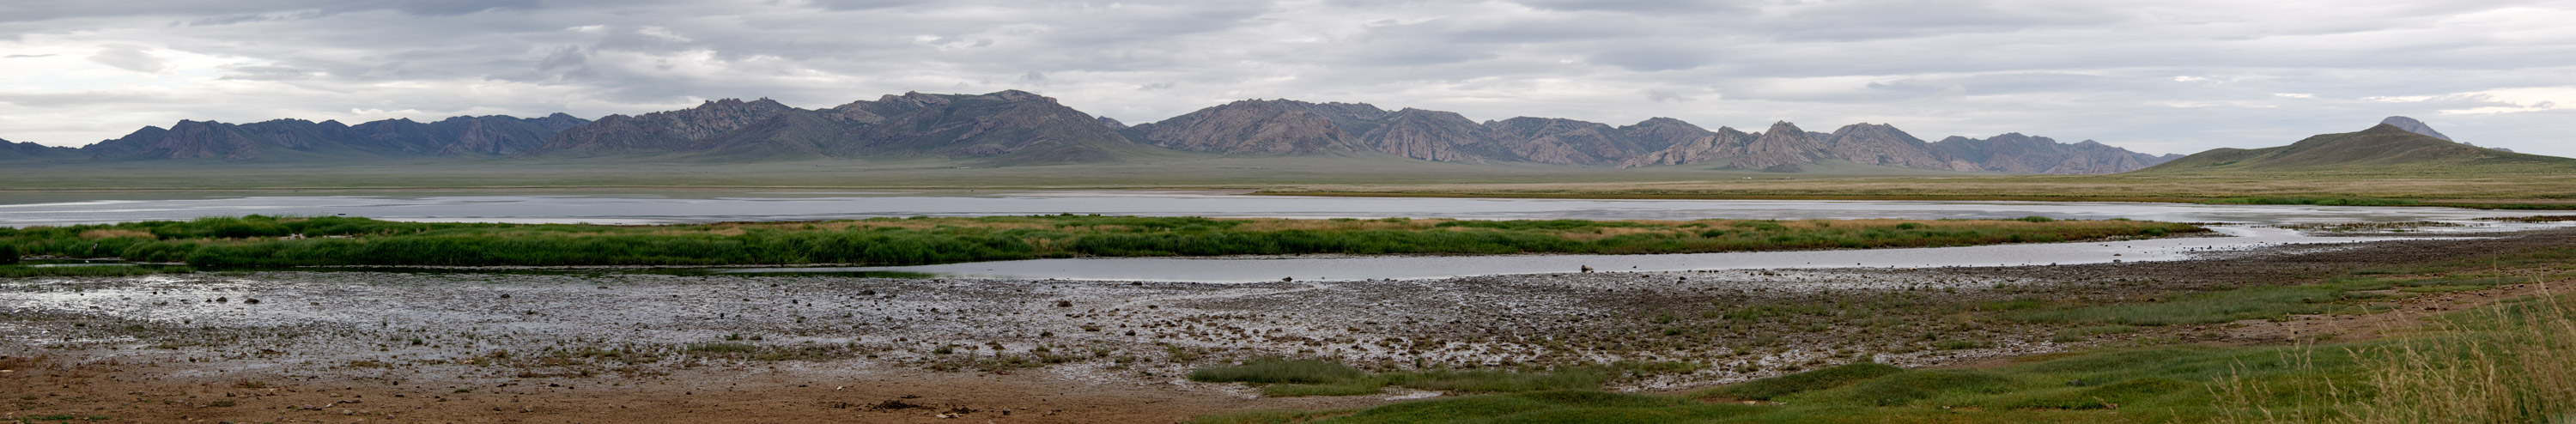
(1012, 127)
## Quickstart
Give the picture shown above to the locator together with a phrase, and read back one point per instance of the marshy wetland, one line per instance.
(611, 344)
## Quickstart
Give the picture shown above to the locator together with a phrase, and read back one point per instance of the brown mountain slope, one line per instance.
(1430, 135)
(1884, 145)
(1008, 127)
(1781, 148)
(1251, 126)
(1564, 141)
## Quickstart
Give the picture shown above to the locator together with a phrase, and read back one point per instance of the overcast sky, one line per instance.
(2159, 77)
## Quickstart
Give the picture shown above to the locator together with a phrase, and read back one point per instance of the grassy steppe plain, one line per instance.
(274, 241)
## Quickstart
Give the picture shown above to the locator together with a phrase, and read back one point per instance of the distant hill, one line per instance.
(2384, 148)
(1784, 147)
(11, 151)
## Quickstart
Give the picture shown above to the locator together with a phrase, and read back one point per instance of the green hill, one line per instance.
(2383, 149)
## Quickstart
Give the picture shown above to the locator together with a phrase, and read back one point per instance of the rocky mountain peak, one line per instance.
(2414, 126)
(1779, 149)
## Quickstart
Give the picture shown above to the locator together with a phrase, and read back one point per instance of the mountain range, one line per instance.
(1011, 128)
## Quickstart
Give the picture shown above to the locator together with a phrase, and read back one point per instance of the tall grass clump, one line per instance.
(8, 254)
(2511, 363)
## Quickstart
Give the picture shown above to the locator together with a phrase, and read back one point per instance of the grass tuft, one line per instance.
(1821, 379)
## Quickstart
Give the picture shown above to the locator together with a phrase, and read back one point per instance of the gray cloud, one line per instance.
(2160, 76)
(1660, 96)
(129, 57)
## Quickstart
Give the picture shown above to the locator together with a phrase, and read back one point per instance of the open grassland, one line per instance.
(2510, 362)
(322, 241)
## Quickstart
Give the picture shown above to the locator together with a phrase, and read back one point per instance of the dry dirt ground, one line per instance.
(620, 347)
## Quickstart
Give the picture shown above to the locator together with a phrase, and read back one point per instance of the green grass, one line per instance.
(2078, 334)
(2145, 385)
(1826, 378)
(1281, 377)
(263, 241)
(2269, 302)
(2335, 295)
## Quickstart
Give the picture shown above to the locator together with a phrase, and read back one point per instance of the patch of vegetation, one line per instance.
(1308, 377)
(2266, 302)
(2078, 334)
(2319, 201)
(1826, 378)
(2152, 385)
(264, 241)
(2542, 218)
(1276, 370)
(722, 348)
(18, 271)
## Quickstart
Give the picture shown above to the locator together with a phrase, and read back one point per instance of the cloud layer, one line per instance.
(2167, 77)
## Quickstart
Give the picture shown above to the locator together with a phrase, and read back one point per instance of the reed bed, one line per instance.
(263, 241)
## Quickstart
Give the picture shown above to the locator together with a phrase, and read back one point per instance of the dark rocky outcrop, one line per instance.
(2414, 126)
